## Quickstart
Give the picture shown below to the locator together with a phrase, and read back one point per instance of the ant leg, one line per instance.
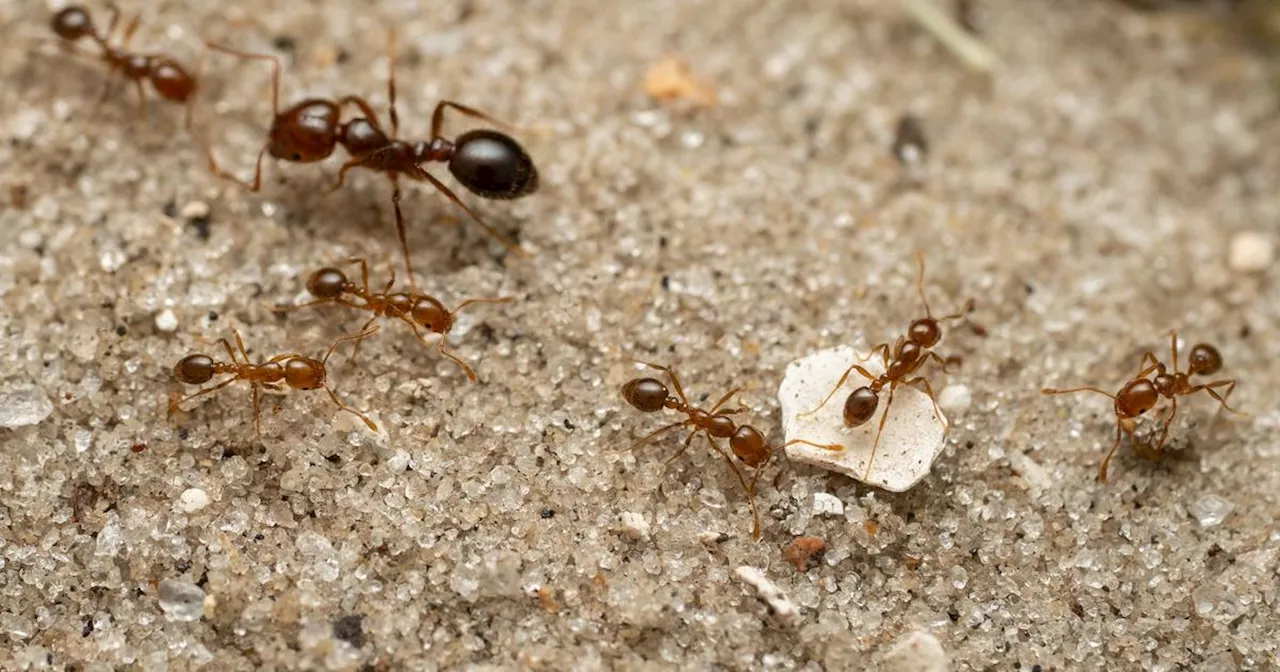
(365, 108)
(1145, 369)
(883, 349)
(1164, 428)
(364, 333)
(248, 55)
(920, 283)
(364, 271)
(289, 308)
(391, 83)
(257, 412)
(751, 494)
(1102, 470)
(656, 433)
(342, 174)
(928, 389)
(723, 399)
(175, 405)
(400, 229)
(1055, 390)
(515, 247)
(687, 442)
(129, 29)
(240, 344)
(839, 385)
(334, 396)
(834, 447)
(356, 351)
(885, 416)
(107, 89)
(1222, 398)
(1173, 347)
(142, 102)
(437, 117)
(937, 358)
(256, 184)
(231, 353)
(111, 25)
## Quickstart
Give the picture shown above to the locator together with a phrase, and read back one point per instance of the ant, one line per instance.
(748, 444)
(418, 310)
(294, 370)
(1140, 395)
(490, 164)
(909, 353)
(168, 77)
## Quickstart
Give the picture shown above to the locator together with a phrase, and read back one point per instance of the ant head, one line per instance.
(860, 406)
(73, 23)
(1205, 359)
(194, 369)
(748, 444)
(361, 136)
(306, 132)
(327, 283)
(1138, 397)
(493, 165)
(645, 394)
(431, 314)
(170, 80)
(304, 373)
(924, 332)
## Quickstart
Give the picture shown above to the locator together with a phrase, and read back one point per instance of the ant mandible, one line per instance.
(909, 353)
(169, 79)
(418, 310)
(748, 444)
(1141, 394)
(293, 370)
(488, 163)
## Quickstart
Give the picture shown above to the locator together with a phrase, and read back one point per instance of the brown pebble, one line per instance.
(671, 79)
(804, 552)
(872, 527)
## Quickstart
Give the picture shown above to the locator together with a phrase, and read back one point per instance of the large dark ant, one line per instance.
(909, 354)
(488, 163)
(291, 369)
(748, 444)
(1141, 394)
(419, 311)
(168, 77)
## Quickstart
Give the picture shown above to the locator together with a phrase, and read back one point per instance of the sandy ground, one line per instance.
(1087, 196)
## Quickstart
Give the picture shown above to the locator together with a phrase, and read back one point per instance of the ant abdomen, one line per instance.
(647, 395)
(306, 132)
(194, 369)
(861, 406)
(493, 165)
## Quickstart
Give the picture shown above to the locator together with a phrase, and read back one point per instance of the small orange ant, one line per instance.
(908, 355)
(488, 163)
(419, 311)
(168, 77)
(747, 443)
(294, 370)
(1140, 395)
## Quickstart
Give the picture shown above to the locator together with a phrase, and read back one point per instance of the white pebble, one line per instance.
(769, 591)
(1036, 477)
(193, 500)
(167, 321)
(634, 525)
(181, 601)
(827, 504)
(919, 651)
(955, 398)
(1210, 510)
(195, 210)
(1251, 252)
(23, 406)
(30, 239)
(914, 434)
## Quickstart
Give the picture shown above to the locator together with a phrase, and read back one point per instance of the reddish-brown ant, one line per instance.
(291, 369)
(1141, 394)
(168, 77)
(419, 311)
(650, 395)
(488, 163)
(906, 357)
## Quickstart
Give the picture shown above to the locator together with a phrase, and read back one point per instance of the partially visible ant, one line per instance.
(168, 77)
(908, 354)
(748, 444)
(490, 164)
(419, 311)
(1141, 394)
(291, 369)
